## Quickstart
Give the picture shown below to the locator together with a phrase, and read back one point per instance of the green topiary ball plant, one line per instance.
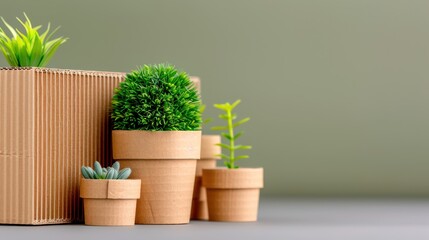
(156, 98)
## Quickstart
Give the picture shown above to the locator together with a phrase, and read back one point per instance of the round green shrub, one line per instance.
(156, 98)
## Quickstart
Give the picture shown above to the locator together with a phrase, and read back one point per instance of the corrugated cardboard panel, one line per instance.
(72, 129)
(52, 122)
(16, 146)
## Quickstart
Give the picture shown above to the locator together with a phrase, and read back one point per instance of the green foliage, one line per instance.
(31, 48)
(156, 98)
(105, 173)
(202, 109)
(229, 134)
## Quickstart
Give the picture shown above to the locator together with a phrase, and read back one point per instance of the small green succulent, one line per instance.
(29, 49)
(229, 135)
(105, 173)
(156, 98)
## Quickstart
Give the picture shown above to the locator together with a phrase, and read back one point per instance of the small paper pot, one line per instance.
(233, 194)
(166, 163)
(208, 159)
(109, 202)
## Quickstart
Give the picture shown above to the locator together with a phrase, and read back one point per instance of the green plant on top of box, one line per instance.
(105, 173)
(229, 116)
(156, 98)
(29, 49)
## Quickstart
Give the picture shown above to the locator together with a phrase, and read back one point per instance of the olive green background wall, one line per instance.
(338, 91)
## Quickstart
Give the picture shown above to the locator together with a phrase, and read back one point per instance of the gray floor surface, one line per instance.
(345, 219)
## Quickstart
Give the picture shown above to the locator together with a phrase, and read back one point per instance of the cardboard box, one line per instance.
(52, 122)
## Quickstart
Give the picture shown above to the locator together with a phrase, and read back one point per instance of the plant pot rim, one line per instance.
(211, 135)
(156, 145)
(241, 178)
(154, 132)
(110, 188)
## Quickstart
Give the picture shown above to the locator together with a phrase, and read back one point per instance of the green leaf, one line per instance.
(226, 135)
(227, 164)
(235, 104)
(124, 173)
(223, 156)
(223, 116)
(225, 106)
(241, 122)
(223, 146)
(238, 135)
(219, 128)
(242, 157)
(98, 169)
(111, 173)
(242, 147)
(116, 165)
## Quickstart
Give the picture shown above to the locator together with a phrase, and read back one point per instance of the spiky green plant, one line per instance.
(29, 49)
(156, 98)
(229, 116)
(105, 173)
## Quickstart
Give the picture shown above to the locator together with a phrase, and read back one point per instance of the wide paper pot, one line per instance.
(53, 121)
(233, 194)
(110, 202)
(208, 158)
(166, 163)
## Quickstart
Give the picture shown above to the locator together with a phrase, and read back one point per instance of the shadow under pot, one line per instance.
(233, 194)
(109, 202)
(165, 161)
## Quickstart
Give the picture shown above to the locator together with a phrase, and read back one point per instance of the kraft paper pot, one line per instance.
(166, 163)
(208, 158)
(110, 202)
(233, 194)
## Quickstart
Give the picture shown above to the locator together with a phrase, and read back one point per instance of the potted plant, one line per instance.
(232, 192)
(210, 153)
(156, 132)
(109, 198)
(54, 120)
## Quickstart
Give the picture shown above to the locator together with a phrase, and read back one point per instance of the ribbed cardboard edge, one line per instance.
(65, 71)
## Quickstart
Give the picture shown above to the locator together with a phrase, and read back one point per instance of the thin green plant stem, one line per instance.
(229, 116)
(231, 140)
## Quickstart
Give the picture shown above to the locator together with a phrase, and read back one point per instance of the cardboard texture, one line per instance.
(208, 159)
(110, 202)
(233, 194)
(166, 164)
(53, 121)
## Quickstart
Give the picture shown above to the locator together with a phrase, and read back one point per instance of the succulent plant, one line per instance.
(229, 116)
(99, 172)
